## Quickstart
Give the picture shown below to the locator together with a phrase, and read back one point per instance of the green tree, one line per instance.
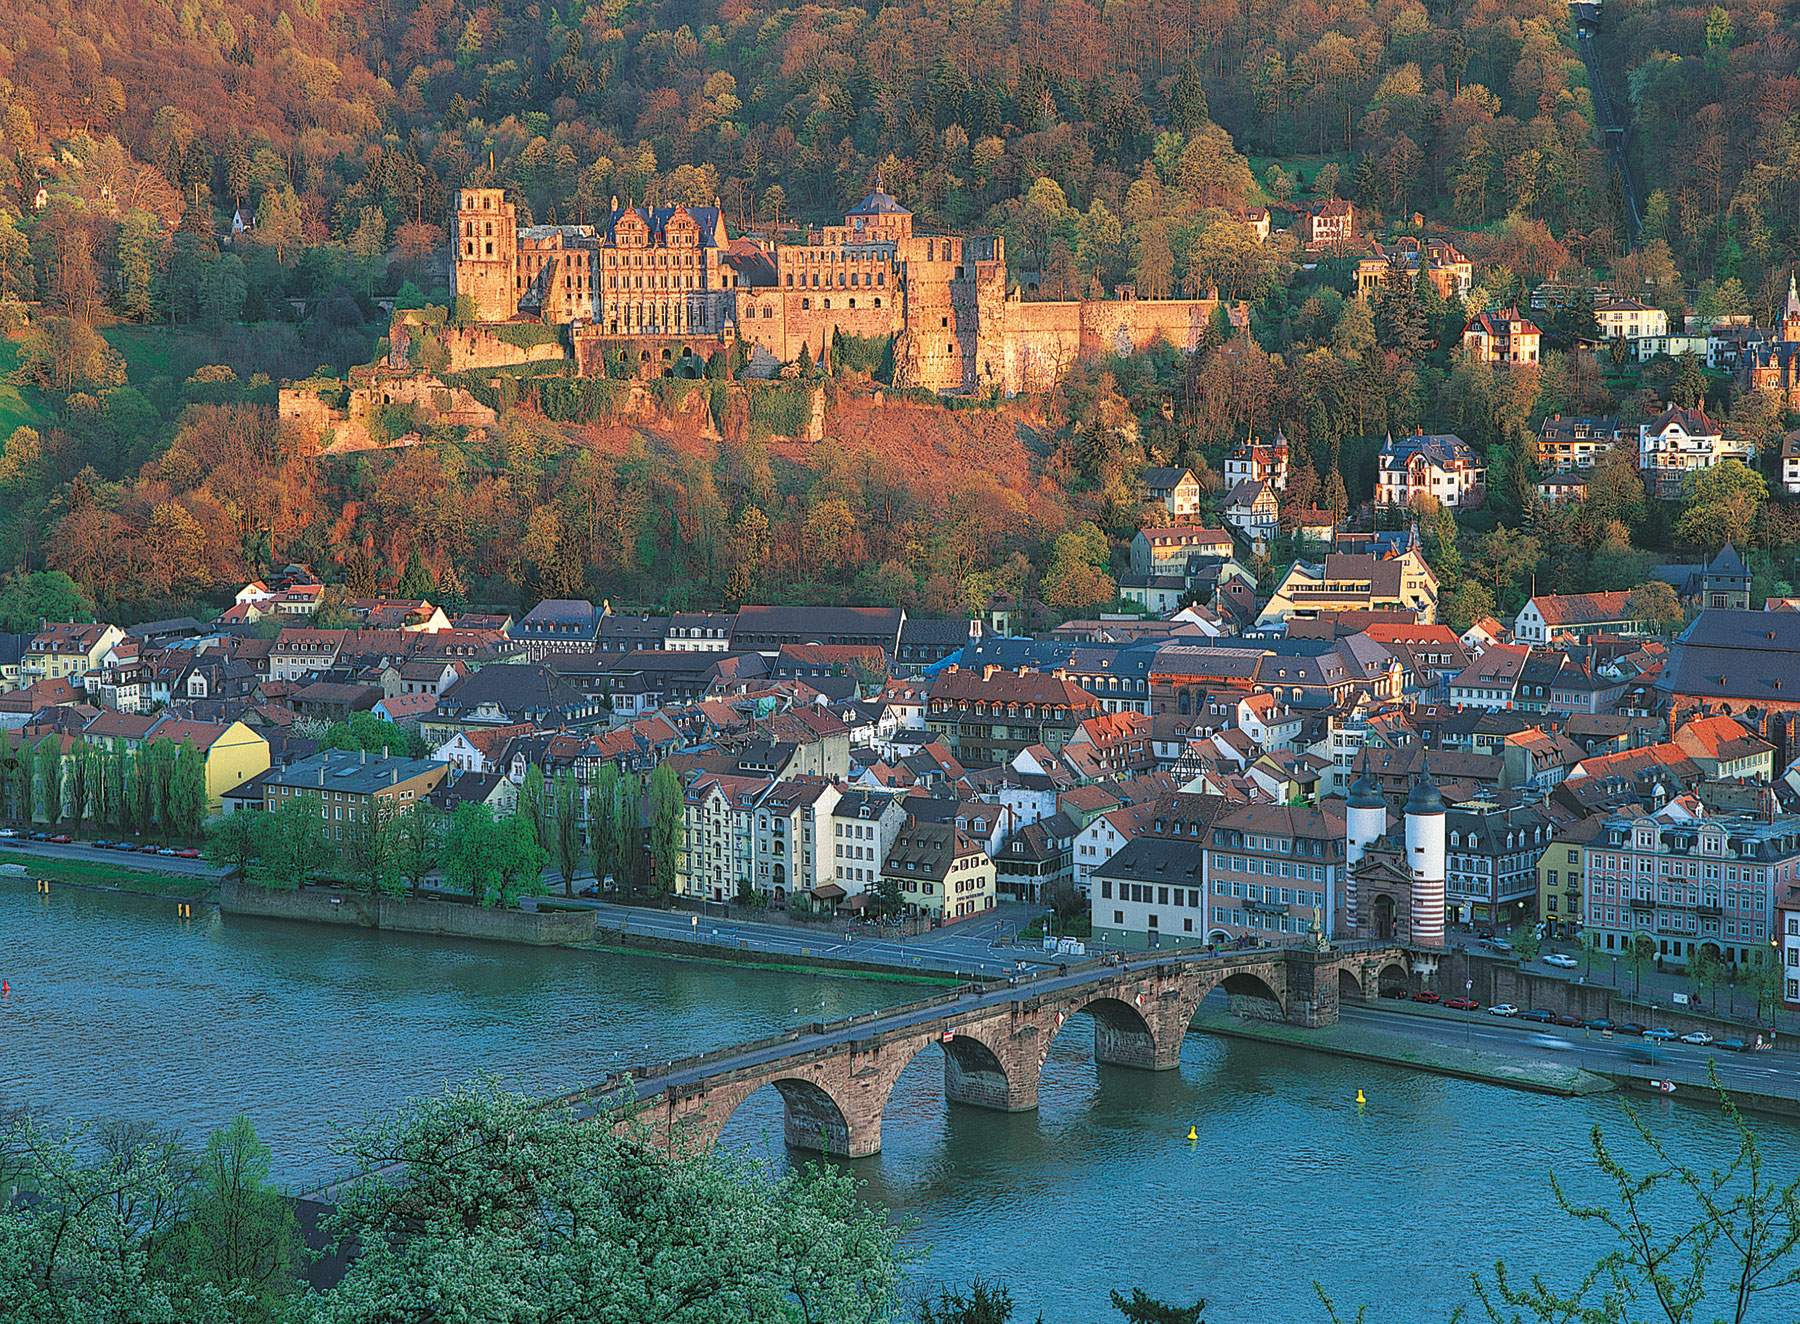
(413, 842)
(1721, 505)
(1187, 100)
(231, 842)
(570, 846)
(1141, 1309)
(603, 822)
(889, 900)
(1704, 970)
(519, 861)
(628, 856)
(48, 776)
(239, 1234)
(1689, 387)
(665, 829)
(468, 858)
(508, 1200)
(291, 843)
(30, 598)
(1525, 943)
(1763, 980)
(1720, 1241)
(1655, 604)
(1640, 955)
(984, 1303)
(187, 791)
(362, 852)
(534, 804)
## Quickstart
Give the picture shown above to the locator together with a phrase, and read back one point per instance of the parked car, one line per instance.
(187, 853)
(1560, 961)
(8, 832)
(61, 839)
(1396, 992)
(1733, 1045)
(1662, 1034)
(165, 850)
(1567, 1021)
(1537, 1017)
(1461, 1004)
(1697, 1037)
(40, 836)
(1601, 1024)
(1629, 1027)
(1503, 1009)
(1426, 995)
(147, 850)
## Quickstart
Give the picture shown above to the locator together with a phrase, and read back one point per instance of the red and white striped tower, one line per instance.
(1425, 858)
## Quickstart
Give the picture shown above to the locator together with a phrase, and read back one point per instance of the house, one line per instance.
(1574, 443)
(1355, 582)
(406, 709)
(1491, 679)
(66, 650)
(1439, 465)
(1157, 594)
(1790, 462)
(1553, 488)
(719, 833)
(1175, 490)
(1505, 337)
(1627, 319)
(1254, 462)
(1332, 226)
(699, 632)
(990, 715)
(1257, 218)
(334, 701)
(1679, 441)
(766, 629)
(300, 653)
(349, 784)
(503, 696)
(940, 872)
(1167, 551)
(1723, 749)
(1553, 618)
(557, 625)
(1251, 508)
(864, 825)
(233, 753)
(1491, 861)
(1437, 260)
(1036, 859)
(1725, 583)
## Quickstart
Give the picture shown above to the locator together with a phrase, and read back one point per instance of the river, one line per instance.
(118, 1009)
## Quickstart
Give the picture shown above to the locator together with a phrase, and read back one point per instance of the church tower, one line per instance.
(1790, 315)
(1425, 860)
(487, 252)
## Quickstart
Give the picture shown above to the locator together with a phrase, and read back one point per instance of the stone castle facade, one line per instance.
(663, 284)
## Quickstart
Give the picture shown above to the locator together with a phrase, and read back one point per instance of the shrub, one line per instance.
(781, 411)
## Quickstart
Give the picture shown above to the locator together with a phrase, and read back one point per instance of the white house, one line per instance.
(1679, 441)
(1439, 465)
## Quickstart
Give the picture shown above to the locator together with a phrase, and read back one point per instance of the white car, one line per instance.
(1700, 1037)
(1504, 1009)
(1560, 961)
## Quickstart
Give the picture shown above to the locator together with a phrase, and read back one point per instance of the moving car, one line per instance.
(1560, 961)
(1699, 1037)
(1537, 1017)
(1503, 1009)
(147, 850)
(1629, 1027)
(1427, 996)
(1600, 1024)
(1662, 1034)
(1461, 1004)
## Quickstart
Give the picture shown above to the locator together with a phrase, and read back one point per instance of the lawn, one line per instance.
(16, 410)
(114, 876)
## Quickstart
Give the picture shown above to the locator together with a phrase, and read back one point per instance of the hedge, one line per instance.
(780, 410)
(525, 335)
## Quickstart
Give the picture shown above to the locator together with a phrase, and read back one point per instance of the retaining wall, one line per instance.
(546, 928)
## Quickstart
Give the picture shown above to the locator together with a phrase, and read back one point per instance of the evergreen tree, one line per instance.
(569, 841)
(603, 823)
(1187, 100)
(665, 829)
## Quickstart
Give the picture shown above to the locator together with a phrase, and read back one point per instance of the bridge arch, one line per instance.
(1350, 987)
(1392, 975)
(811, 1118)
(979, 1072)
(1123, 1034)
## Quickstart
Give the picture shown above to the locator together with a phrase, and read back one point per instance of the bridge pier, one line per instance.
(1124, 1038)
(813, 1122)
(975, 1077)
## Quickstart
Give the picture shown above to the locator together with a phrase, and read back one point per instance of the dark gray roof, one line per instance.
(515, 689)
(1725, 654)
(1148, 859)
(878, 204)
(354, 771)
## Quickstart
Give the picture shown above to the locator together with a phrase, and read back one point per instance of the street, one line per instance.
(20, 850)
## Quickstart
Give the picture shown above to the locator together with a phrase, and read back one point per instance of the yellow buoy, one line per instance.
(1359, 1098)
(1192, 1134)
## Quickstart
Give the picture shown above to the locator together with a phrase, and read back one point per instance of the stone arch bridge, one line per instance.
(835, 1078)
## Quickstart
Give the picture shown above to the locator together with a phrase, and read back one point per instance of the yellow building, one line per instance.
(234, 754)
(942, 873)
(1561, 870)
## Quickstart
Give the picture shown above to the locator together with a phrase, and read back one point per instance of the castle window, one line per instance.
(768, 313)
(805, 304)
(790, 280)
(944, 321)
(828, 303)
(878, 302)
(853, 303)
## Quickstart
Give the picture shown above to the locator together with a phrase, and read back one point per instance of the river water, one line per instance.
(117, 1009)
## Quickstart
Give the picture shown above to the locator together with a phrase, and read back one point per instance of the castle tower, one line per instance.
(1726, 582)
(1425, 860)
(1790, 316)
(487, 252)
(1365, 820)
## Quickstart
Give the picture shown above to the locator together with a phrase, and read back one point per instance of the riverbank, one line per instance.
(713, 953)
(1366, 1045)
(145, 880)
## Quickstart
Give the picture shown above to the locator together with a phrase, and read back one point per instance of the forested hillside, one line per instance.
(1107, 143)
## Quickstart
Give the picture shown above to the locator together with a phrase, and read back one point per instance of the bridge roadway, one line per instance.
(835, 1078)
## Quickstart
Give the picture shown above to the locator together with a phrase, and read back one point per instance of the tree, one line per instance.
(291, 842)
(362, 854)
(368, 244)
(60, 354)
(412, 848)
(231, 842)
(1141, 1309)
(519, 859)
(1525, 943)
(48, 776)
(570, 847)
(603, 822)
(187, 791)
(628, 857)
(1640, 954)
(240, 1233)
(889, 900)
(510, 1200)
(469, 861)
(1655, 604)
(1721, 505)
(985, 1303)
(665, 829)
(1763, 976)
(1704, 970)
(534, 804)
(1735, 1248)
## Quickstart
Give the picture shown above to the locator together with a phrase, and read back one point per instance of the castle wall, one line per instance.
(474, 348)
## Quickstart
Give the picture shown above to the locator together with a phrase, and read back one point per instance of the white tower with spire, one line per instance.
(1425, 860)
(1790, 315)
(1365, 820)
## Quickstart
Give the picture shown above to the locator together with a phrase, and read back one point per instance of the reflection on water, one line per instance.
(118, 1009)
